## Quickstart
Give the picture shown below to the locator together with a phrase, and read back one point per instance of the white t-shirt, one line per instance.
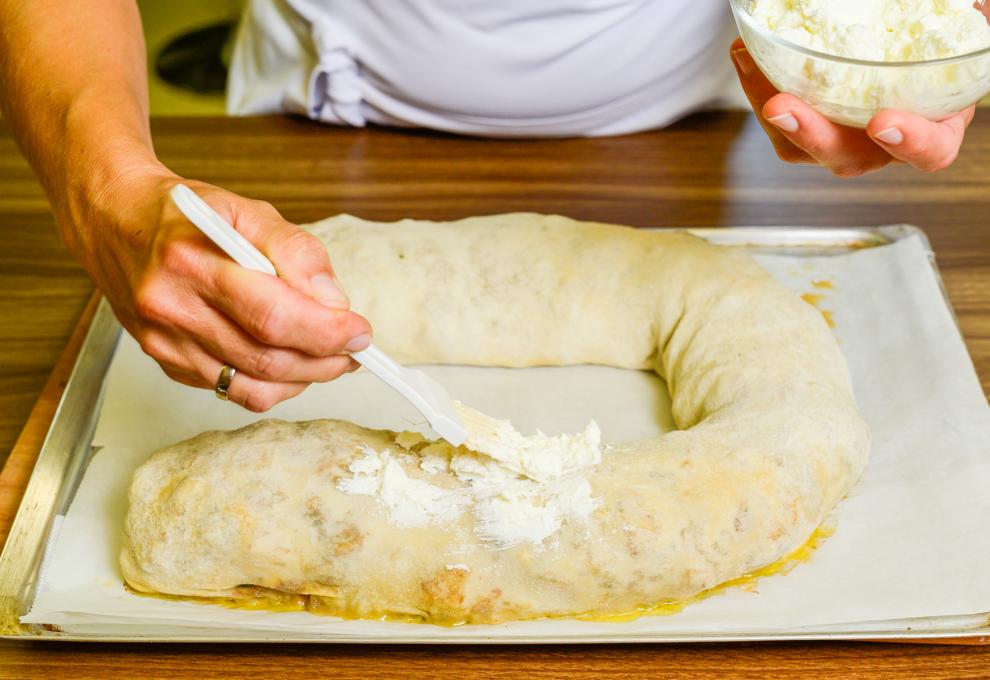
(485, 67)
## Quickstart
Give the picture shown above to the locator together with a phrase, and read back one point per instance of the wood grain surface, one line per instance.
(710, 170)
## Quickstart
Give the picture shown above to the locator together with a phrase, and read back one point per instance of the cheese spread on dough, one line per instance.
(539, 457)
(520, 489)
(409, 502)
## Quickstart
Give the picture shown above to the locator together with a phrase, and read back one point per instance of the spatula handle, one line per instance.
(217, 229)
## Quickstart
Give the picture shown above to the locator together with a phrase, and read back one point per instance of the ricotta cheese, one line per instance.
(540, 457)
(518, 489)
(409, 502)
(900, 39)
(878, 30)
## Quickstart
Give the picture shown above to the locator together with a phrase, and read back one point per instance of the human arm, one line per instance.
(74, 91)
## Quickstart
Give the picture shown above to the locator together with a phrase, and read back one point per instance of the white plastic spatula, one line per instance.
(422, 391)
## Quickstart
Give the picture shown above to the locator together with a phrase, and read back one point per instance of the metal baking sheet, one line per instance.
(67, 450)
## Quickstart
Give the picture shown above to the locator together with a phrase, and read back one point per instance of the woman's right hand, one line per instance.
(193, 309)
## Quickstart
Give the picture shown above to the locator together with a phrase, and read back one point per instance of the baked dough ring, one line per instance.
(769, 439)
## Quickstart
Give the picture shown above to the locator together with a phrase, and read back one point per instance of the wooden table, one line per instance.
(715, 169)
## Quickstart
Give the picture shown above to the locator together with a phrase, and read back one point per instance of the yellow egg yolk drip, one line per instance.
(267, 599)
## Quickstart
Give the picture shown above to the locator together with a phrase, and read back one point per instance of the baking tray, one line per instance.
(67, 449)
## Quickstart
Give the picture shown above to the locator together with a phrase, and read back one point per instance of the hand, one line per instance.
(802, 135)
(193, 309)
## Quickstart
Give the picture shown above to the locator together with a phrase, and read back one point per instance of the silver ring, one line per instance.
(222, 390)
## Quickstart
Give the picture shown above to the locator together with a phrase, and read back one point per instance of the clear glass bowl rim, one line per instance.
(741, 10)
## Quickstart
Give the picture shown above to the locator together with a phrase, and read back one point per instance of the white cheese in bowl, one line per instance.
(878, 30)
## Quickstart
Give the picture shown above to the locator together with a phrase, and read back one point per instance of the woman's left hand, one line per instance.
(802, 135)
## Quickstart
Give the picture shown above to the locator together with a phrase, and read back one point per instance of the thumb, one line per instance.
(926, 145)
(300, 258)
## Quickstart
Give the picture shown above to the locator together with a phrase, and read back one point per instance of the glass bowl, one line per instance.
(851, 91)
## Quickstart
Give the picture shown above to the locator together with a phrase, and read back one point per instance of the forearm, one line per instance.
(74, 89)
(73, 85)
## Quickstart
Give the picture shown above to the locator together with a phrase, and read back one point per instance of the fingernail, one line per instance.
(891, 136)
(328, 291)
(785, 121)
(743, 61)
(358, 343)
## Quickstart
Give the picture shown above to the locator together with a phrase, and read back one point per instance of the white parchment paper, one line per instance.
(911, 548)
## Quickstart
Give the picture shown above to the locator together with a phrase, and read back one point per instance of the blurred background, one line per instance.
(188, 45)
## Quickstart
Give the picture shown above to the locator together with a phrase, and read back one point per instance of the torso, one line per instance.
(557, 67)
